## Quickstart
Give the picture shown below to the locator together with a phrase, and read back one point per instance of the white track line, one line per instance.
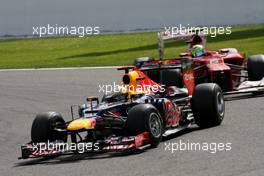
(63, 68)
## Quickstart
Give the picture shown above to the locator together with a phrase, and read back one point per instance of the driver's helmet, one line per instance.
(197, 50)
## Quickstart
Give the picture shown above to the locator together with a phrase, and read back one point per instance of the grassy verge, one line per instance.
(115, 49)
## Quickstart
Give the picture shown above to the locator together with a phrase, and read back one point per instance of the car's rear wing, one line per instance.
(164, 37)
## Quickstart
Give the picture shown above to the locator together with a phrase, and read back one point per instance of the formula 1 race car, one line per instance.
(135, 117)
(227, 67)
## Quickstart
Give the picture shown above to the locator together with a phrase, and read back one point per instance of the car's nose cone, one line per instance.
(82, 123)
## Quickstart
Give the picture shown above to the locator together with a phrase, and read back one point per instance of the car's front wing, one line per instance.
(111, 144)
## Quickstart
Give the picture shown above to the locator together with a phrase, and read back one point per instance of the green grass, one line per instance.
(115, 49)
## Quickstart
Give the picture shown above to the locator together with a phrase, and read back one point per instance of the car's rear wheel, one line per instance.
(145, 118)
(44, 125)
(208, 105)
(255, 67)
(172, 77)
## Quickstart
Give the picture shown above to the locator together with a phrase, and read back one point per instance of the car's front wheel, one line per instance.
(208, 105)
(44, 125)
(145, 118)
(255, 67)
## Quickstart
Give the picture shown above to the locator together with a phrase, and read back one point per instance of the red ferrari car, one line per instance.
(232, 71)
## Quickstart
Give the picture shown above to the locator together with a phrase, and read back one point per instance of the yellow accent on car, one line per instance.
(82, 123)
(131, 84)
(132, 75)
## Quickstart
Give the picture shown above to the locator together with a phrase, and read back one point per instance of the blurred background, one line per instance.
(17, 17)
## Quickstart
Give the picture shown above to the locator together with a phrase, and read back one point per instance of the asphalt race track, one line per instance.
(25, 93)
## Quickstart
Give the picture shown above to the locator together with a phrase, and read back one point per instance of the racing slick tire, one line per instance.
(152, 74)
(145, 118)
(208, 105)
(43, 127)
(172, 77)
(255, 67)
(138, 62)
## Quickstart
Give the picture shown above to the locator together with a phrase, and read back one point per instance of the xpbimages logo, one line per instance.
(57, 30)
(212, 31)
(211, 147)
(108, 88)
(61, 147)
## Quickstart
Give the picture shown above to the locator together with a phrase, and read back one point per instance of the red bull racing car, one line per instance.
(135, 117)
(232, 71)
